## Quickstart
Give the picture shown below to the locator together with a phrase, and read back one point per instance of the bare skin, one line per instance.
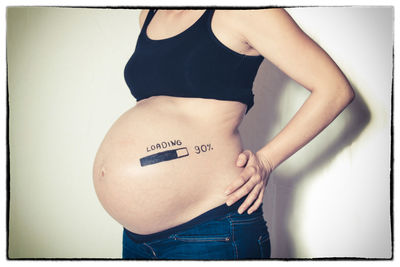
(147, 199)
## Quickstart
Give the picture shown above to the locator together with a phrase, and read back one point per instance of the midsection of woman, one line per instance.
(151, 198)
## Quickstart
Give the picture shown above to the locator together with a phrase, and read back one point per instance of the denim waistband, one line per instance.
(208, 215)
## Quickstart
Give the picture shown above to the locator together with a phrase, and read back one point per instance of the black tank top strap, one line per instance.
(208, 18)
(210, 13)
(149, 17)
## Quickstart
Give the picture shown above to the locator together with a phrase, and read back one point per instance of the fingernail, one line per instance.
(240, 211)
(227, 192)
(228, 203)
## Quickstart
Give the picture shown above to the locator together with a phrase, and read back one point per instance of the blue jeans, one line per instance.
(229, 237)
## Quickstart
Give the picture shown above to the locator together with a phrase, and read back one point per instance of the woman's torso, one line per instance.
(151, 198)
(155, 197)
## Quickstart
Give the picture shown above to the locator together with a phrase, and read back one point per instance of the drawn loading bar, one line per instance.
(164, 156)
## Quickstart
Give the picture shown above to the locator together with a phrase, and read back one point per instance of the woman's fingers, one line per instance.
(243, 158)
(243, 178)
(250, 198)
(234, 186)
(244, 189)
(257, 203)
(250, 183)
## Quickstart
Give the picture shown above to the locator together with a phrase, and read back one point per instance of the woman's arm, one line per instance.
(275, 35)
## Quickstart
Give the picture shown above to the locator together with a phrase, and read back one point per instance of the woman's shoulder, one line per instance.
(246, 17)
(257, 23)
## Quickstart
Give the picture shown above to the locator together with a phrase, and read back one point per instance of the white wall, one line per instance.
(66, 88)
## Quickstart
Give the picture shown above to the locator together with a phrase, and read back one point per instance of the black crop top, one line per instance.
(193, 63)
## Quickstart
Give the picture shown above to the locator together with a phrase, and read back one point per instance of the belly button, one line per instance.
(102, 172)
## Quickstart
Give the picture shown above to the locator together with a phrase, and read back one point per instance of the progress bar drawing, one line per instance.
(164, 156)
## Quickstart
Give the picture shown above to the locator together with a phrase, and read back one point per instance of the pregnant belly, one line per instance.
(155, 170)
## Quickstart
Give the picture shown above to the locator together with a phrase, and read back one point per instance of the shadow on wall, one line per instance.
(265, 120)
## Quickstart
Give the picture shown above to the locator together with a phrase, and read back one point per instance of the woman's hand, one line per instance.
(252, 181)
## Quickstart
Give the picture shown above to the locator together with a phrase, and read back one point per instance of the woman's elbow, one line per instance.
(346, 94)
(339, 94)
